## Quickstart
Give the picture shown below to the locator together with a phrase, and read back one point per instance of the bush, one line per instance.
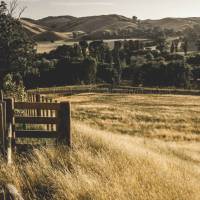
(13, 87)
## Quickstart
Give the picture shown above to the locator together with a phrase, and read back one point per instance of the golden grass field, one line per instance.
(166, 117)
(43, 47)
(139, 147)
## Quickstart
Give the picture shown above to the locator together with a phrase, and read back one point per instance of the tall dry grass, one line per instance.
(103, 165)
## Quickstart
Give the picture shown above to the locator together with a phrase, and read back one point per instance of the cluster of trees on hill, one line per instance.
(93, 62)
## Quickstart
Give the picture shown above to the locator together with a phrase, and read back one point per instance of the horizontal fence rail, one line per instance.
(28, 105)
(36, 134)
(36, 120)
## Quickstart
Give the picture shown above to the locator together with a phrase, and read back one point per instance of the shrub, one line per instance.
(13, 87)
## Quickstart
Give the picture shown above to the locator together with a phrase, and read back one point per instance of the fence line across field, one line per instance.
(119, 90)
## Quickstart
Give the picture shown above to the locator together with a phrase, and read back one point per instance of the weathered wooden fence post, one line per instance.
(48, 115)
(38, 112)
(64, 125)
(1, 96)
(2, 122)
(10, 128)
(9, 144)
(31, 100)
(51, 115)
(2, 128)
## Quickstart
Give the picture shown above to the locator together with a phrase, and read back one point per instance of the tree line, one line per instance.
(96, 62)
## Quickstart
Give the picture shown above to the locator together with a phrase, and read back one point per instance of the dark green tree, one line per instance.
(161, 44)
(16, 48)
(198, 45)
(96, 50)
(135, 19)
(185, 46)
(172, 48)
(89, 70)
(84, 45)
(176, 44)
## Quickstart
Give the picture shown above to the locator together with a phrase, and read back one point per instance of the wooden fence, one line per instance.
(39, 117)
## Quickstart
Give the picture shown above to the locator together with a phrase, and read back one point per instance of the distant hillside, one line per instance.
(55, 23)
(32, 28)
(42, 33)
(44, 29)
(98, 26)
(177, 24)
(97, 23)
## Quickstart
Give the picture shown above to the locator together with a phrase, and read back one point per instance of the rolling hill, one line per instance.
(31, 27)
(61, 27)
(96, 23)
(43, 33)
(54, 23)
(68, 24)
(177, 24)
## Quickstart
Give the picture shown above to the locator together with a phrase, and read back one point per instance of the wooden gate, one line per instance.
(18, 118)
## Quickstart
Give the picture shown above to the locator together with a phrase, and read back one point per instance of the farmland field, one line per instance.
(166, 117)
(141, 147)
(48, 46)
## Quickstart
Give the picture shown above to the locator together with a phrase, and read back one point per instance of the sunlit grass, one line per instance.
(103, 165)
(162, 116)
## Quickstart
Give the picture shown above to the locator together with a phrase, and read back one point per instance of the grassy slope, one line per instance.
(111, 165)
(33, 28)
(177, 24)
(54, 23)
(42, 33)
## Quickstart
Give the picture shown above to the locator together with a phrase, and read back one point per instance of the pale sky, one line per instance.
(143, 9)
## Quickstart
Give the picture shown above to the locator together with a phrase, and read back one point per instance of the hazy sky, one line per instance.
(144, 9)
